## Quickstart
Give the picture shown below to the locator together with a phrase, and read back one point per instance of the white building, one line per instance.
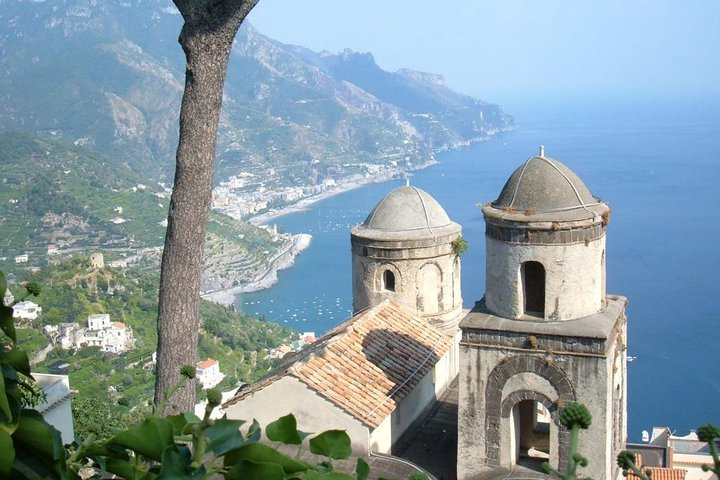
(208, 373)
(21, 258)
(26, 310)
(667, 454)
(98, 321)
(56, 409)
(372, 376)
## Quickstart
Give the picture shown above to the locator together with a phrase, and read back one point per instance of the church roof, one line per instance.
(367, 365)
(406, 212)
(545, 189)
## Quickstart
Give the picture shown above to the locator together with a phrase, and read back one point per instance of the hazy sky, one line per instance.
(498, 49)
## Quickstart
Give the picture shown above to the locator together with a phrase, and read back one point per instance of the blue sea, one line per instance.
(656, 162)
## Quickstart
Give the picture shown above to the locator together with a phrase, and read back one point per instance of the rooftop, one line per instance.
(406, 212)
(544, 189)
(366, 365)
(206, 363)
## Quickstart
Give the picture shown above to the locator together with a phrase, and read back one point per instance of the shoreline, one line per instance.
(281, 261)
(342, 187)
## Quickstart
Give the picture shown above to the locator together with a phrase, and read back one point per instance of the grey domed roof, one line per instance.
(407, 208)
(406, 212)
(546, 189)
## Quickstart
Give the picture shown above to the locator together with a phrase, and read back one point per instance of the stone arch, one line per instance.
(429, 285)
(495, 406)
(520, 395)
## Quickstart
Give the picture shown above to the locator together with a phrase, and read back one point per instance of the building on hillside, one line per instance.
(97, 260)
(8, 298)
(670, 453)
(98, 321)
(545, 333)
(67, 335)
(113, 337)
(56, 408)
(372, 376)
(660, 473)
(26, 310)
(22, 258)
(208, 373)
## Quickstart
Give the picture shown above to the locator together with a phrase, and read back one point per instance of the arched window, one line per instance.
(389, 280)
(533, 279)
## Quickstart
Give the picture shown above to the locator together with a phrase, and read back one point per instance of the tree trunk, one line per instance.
(206, 39)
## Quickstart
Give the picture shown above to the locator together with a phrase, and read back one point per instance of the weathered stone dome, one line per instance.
(543, 189)
(406, 213)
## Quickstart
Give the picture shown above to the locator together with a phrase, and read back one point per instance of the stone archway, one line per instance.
(496, 409)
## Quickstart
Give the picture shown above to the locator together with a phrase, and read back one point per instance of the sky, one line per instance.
(503, 49)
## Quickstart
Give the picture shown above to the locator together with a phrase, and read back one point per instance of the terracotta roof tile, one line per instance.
(206, 363)
(661, 474)
(366, 365)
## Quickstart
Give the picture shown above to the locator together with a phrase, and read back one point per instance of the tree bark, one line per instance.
(206, 38)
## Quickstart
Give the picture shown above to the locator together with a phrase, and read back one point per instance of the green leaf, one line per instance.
(224, 436)
(250, 470)
(259, 453)
(3, 284)
(150, 438)
(8, 452)
(254, 432)
(313, 475)
(362, 470)
(34, 433)
(4, 405)
(6, 322)
(332, 443)
(176, 464)
(284, 430)
(18, 359)
(38, 446)
(120, 467)
(182, 423)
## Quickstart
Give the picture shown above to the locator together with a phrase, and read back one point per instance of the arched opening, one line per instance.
(530, 435)
(533, 282)
(429, 289)
(389, 280)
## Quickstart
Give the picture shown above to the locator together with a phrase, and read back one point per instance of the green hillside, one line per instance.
(72, 290)
(72, 197)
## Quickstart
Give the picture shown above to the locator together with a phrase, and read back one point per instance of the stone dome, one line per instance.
(406, 212)
(543, 189)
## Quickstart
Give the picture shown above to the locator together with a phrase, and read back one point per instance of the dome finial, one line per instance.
(542, 151)
(407, 181)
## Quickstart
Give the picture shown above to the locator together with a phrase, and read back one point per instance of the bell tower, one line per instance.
(404, 251)
(545, 334)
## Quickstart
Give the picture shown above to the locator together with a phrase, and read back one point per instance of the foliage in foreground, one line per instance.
(172, 447)
(185, 446)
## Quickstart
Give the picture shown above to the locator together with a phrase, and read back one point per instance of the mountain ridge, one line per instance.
(111, 74)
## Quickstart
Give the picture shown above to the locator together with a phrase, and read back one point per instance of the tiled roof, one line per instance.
(661, 474)
(206, 364)
(366, 365)
(657, 473)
